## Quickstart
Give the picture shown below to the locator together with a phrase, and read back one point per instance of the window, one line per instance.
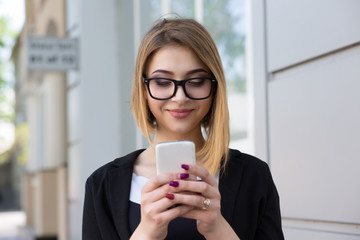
(225, 20)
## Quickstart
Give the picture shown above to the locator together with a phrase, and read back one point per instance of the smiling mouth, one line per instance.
(180, 113)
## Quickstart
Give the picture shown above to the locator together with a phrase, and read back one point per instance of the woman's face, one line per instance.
(178, 117)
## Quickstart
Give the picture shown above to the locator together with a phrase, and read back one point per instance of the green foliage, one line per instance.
(237, 85)
(7, 39)
(21, 143)
(5, 156)
(223, 25)
(20, 148)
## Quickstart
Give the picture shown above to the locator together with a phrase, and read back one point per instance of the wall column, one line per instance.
(54, 88)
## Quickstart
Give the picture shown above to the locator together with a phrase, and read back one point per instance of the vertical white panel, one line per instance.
(100, 95)
(72, 14)
(165, 6)
(55, 140)
(33, 106)
(301, 234)
(314, 138)
(199, 11)
(74, 110)
(125, 45)
(99, 85)
(302, 29)
(75, 187)
(312, 59)
(256, 77)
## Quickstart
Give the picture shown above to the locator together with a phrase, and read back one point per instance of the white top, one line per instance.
(138, 182)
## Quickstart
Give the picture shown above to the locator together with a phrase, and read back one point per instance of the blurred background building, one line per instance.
(293, 97)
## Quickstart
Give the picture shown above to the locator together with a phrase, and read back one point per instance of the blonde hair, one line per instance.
(190, 34)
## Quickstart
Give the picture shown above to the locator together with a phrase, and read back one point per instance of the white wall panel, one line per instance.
(314, 128)
(99, 85)
(73, 116)
(256, 77)
(73, 10)
(301, 234)
(75, 194)
(301, 29)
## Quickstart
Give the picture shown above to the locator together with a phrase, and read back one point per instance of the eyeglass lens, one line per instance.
(196, 88)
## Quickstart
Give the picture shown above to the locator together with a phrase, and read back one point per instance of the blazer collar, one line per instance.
(229, 183)
(119, 189)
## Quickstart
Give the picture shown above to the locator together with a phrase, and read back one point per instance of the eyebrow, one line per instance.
(197, 70)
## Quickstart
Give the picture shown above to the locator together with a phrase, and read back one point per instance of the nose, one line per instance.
(179, 95)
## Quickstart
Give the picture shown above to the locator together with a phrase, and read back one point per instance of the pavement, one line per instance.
(12, 226)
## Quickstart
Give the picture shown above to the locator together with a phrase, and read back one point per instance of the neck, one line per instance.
(145, 164)
(197, 138)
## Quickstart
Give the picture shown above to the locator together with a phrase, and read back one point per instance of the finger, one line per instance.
(158, 181)
(168, 202)
(196, 201)
(159, 206)
(173, 213)
(200, 172)
(155, 195)
(201, 215)
(196, 187)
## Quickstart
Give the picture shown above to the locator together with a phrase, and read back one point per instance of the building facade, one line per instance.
(41, 102)
(301, 101)
(304, 64)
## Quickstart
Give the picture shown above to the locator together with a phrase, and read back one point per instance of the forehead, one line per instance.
(176, 59)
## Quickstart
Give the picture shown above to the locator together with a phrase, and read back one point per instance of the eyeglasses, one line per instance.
(194, 88)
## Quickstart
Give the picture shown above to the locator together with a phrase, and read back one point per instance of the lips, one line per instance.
(180, 113)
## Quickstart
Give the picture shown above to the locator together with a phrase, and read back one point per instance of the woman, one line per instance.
(179, 93)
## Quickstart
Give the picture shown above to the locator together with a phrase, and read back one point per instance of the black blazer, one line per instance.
(249, 199)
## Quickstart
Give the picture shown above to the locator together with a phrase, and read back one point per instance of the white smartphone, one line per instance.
(170, 156)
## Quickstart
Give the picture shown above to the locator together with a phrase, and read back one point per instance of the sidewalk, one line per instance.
(12, 226)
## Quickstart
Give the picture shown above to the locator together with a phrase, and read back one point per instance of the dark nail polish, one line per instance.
(170, 196)
(174, 183)
(185, 166)
(184, 175)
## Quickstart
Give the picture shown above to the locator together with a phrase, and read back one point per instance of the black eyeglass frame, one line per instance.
(182, 84)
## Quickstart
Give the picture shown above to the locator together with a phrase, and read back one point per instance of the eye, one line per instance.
(197, 82)
(161, 82)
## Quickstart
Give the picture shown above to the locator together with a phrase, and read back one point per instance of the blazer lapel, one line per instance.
(229, 184)
(119, 190)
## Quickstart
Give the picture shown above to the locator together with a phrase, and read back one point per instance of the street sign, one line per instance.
(52, 53)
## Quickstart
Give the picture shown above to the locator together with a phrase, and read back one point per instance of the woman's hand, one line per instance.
(157, 209)
(205, 201)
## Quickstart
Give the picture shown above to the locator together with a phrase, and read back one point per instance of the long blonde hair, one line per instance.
(190, 34)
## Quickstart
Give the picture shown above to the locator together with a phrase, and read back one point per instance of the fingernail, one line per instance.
(183, 175)
(185, 166)
(174, 183)
(170, 196)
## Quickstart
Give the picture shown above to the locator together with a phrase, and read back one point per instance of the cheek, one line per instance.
(151, 108)
(207, 105)
(207, 114)
(154, 105)
(151, 103)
